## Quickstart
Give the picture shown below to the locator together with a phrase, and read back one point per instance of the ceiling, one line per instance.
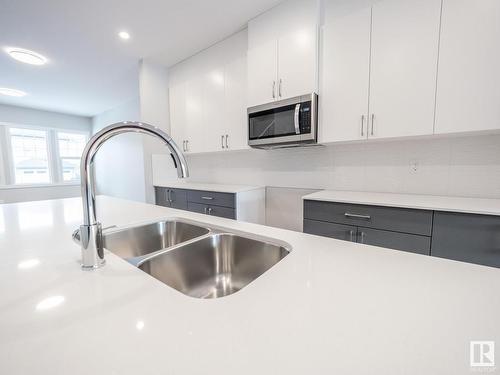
(90, 69)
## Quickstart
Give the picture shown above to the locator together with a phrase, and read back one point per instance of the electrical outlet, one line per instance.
(414, 166)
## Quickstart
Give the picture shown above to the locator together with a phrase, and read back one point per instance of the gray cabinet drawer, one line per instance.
(211, 198)
(338, 231)
(226, 212)
(466, 237)
(386, 218)
(393, 240)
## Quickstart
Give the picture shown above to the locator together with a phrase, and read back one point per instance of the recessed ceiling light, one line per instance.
(124, 35)
(12, 92)
(26, 56)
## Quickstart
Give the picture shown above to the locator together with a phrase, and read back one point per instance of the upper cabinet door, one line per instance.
(345, 68)
(468, 94)
(195, 126)
(283, 52)
(177, 103)
(236, 93)
(214, 119)
(262, 72)
(404, 55)
(297, 62)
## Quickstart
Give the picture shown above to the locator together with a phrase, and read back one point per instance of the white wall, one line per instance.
(27, 116)
(35, 117)
(154, 108)
(119, 164)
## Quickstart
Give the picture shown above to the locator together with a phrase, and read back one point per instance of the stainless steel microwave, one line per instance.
(284, 123)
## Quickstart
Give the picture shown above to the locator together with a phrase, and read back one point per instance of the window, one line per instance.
(30, 155)
(70, 146)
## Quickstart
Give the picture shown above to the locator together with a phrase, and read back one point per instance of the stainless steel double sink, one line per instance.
(198, 260)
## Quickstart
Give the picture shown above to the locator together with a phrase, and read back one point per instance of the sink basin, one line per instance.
(214, 266)
(146, 239)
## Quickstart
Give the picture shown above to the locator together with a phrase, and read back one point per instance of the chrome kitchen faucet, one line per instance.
(90, 233)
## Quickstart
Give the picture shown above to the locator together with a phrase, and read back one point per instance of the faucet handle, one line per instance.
(76, 236)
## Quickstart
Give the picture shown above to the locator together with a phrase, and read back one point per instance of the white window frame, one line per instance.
(7, 179)
(57, 158)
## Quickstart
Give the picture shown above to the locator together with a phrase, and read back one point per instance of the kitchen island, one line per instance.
(329, 307)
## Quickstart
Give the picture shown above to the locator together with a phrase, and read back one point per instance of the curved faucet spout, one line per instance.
(90, 231)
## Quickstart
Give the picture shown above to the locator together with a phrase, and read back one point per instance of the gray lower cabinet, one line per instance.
(393, 240)
(394, 228)
(205, 202)
(466, 237)
(212, 198)
(378, 217)
(412, 243)
(458, 236)
(169, 197)
(226, 212)
(332, 230)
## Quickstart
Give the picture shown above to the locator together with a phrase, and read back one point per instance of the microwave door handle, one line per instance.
(296, 119)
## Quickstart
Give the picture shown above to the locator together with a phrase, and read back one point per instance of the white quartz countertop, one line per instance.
(422, 202)
(223, 188)
(329, 307)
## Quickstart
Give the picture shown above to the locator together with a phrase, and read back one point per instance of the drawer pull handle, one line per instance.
(207, 198)
(351, 236)
(356, 216)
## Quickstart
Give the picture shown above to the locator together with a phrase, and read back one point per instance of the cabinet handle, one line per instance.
(210, 210)
(187, 145)
(169, 194)
(357, 216)
(274, 90)
(205, 209)
(279, 88)
(363, 235)
(227, 145)
(207, 198)
(363, 125)
(222, 141)
(373, 121)
(184, 146)
(351, 235)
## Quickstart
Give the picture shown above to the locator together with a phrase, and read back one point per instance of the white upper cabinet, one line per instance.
(262, 73)
(208, 98)
(468, 95)
(235, 75)
(404, 55)
(283, 52)
(195, 124)
(297, 62)
(213, 113)
(345, 72)
(177, 105)
(379, 65)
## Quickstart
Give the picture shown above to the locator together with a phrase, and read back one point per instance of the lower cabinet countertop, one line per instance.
(329, 307)
(481, 206)
(222, 188)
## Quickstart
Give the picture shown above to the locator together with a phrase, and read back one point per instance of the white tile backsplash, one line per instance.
(458, 166)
